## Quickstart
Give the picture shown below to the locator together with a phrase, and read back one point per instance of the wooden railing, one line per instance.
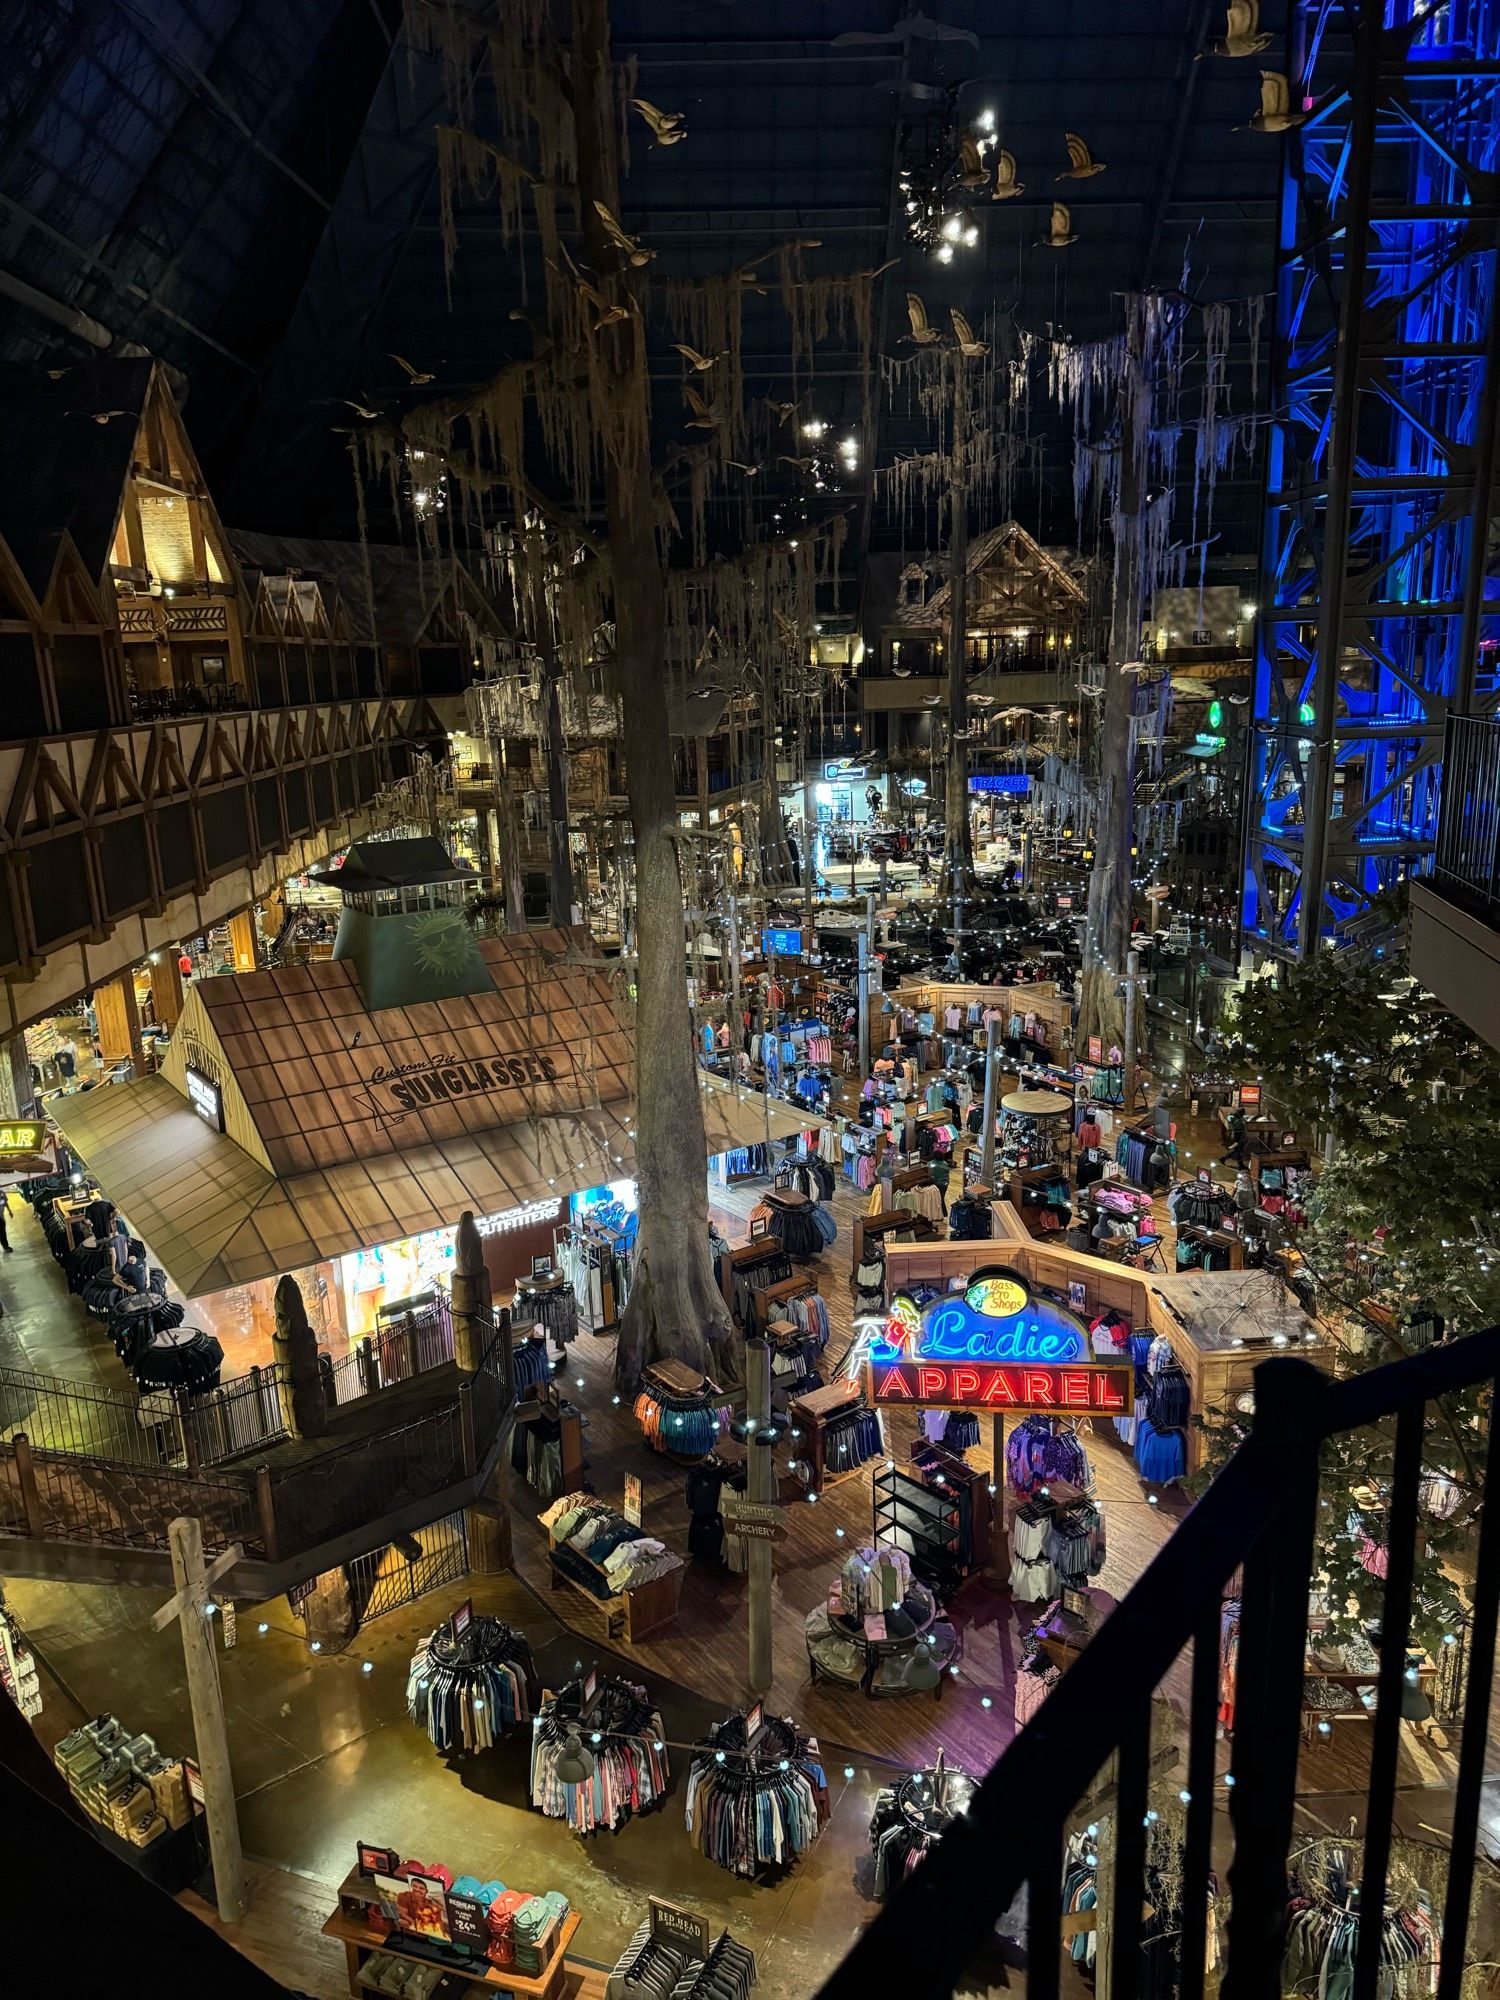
(1258, 1517)
(279, 1510)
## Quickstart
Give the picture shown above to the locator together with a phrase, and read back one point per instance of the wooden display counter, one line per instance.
(361, 1943)
(628, 1614)
(1220, 1323)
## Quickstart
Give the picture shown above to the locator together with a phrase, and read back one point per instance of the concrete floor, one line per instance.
(325, 1756)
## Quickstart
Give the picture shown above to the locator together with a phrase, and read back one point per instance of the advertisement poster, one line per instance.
(632, 1508)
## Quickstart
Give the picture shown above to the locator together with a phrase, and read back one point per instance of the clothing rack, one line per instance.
(1040, 1195)
(938, 1511)
(659, 1968)
(1057, 1542)
(823, 1417)
(756, 1798)
(625, 1737)
(747, 1269)
(682, 1412)
(911, 1817)
(465, 1689)
(547, 1444)
(549, 1303)
(596, 1261)
(1164, 1404)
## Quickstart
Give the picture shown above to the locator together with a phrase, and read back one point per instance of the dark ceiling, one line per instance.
(248, 188)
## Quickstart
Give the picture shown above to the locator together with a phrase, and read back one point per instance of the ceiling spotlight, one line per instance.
(945, 253)
(951, 228)
(971, 236)
(986, 121)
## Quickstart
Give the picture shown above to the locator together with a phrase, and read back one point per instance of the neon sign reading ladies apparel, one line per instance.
(994, 1348)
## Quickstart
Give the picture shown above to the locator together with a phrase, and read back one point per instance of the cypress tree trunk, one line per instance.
(675, 1306)
(958, 847)
(1106, 937)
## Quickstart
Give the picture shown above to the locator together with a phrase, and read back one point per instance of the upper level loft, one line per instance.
(125, 600)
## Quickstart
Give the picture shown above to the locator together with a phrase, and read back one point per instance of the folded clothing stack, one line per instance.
(502, 1945)
(536, 1925)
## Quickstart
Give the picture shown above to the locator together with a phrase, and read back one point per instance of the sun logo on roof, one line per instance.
(442, 943)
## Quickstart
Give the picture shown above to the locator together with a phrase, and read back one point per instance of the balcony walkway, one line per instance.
(90, 1492)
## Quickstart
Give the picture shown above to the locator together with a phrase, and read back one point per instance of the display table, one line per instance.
(360, 1943)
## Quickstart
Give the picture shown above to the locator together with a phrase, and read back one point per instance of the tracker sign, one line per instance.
(995, 1346)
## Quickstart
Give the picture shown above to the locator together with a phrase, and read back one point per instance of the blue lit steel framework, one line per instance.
(1378, 611)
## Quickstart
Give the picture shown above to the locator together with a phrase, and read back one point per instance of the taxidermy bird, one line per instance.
(667, 127)
(921, 335)
(1275, 113)
(703, 418)
(1242, 36)
(633, 252)
(912, 28)
(700, 362)
(1082, 165)
(103, 416)
(1062, 229)
(417, 377)
(734, 465)
(609, 313)
(370, 416)
(802, 465)
(782, 412)
(963, 333)
(1006, 183)
(971, 173)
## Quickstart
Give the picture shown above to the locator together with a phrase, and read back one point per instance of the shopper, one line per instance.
(131, 1276)
(4, 1219)
(1237, 1133)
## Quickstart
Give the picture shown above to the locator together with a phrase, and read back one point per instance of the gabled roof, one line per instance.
(69, 443)
(1021, 552)
(389, 595)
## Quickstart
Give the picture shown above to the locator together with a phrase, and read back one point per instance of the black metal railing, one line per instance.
(1258, 1517)
(1466, 865)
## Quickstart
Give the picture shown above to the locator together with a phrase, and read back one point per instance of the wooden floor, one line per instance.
(972, 1718)
(706, 1647)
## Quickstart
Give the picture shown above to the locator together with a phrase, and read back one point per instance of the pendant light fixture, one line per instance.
(575, 1765)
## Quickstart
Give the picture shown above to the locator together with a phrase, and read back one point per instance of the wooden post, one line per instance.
(487, 1524)
(367, 1366)
(761, 1486)
(209, 1732)
(413, 1365)
(166, 987)
(119, 1023)
(31, 1499)
(997, 1569)
(265, 1507)
(991, 1095)
(244, 945)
